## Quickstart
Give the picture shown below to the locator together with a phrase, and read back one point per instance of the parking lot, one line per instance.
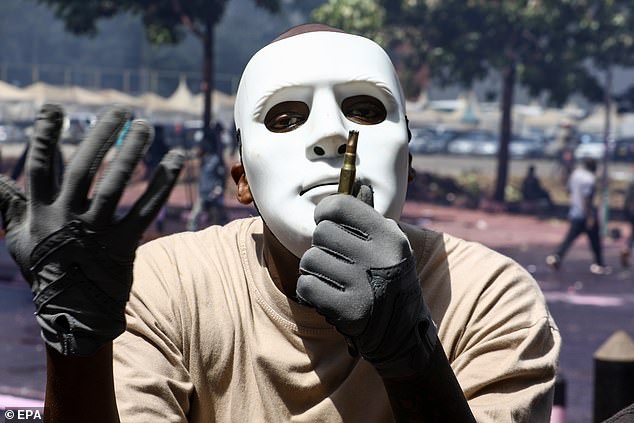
(449, 165)
(477, 142)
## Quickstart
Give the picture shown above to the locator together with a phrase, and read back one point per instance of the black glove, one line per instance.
(361, 275)
(71, 248)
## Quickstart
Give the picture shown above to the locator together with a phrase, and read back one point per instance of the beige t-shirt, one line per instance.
(210, 337)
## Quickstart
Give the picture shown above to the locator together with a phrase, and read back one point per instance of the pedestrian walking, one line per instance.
(582, 216)
(211, 182)
(628, 210)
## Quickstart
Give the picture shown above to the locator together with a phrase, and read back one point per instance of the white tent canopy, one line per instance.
(182, 103)
(9, 92)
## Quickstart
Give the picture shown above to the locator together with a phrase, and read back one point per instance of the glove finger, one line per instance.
(315, 292)
(349, 316)
(12, 202)
(363, 193)
(156, 194)
(345, 242)
(333, 270)
(347, 210)
(389, 245)
(111, 186)
(41, 180)
(90, 153)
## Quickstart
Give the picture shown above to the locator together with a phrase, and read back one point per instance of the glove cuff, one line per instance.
(411, 340)
(79, 306)
(66, 329)
(415, 355)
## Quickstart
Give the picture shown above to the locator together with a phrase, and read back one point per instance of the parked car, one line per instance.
(11, 133)
(421, 140)
(526, 147)
(591, 146)
(76, 125)
(478, 142)
(624, 149)
(427, 140)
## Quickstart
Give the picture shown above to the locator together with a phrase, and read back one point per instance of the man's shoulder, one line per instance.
(581, 175)
(190, 241)
(187, 262)
(453, 252)
(426, 237)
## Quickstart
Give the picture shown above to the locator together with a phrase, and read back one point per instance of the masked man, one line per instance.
(324, 308)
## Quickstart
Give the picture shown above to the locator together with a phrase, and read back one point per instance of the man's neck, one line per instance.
(283, 266)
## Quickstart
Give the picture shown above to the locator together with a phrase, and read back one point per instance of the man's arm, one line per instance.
(432, 396)
(80, 389)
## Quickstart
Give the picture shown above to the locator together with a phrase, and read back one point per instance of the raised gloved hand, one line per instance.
(71, 248)
(361, 275)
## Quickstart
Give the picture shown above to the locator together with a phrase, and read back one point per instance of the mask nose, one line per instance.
(327, 147)
(329, 134)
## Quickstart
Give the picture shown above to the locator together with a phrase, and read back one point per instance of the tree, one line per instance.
(527, 42)
(165, 22)
(531, 43)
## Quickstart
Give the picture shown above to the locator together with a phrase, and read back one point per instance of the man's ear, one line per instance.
(409, 133)
(411, 173)
(240, 178)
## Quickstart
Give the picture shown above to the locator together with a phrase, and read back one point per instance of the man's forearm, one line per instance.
(430, 397)
(80, 389)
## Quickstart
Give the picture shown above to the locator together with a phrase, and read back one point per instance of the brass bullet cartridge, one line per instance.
(348, 170)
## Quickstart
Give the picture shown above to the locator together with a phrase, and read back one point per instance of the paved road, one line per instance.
(587, 308)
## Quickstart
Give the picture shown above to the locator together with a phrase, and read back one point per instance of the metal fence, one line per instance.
(131, 81)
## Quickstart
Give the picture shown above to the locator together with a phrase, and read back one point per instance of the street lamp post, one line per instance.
(604, 205)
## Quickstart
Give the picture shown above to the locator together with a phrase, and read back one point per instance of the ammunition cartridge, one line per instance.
(348, 170)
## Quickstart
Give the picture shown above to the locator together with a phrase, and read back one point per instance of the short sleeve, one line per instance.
(494, 325)
(152, 382)
(508, 355)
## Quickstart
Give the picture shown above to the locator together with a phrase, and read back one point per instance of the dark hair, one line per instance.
(304, 28)
(590, 164)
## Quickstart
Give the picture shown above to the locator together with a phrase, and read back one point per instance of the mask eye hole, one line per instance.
(364, 110)
(286, 116)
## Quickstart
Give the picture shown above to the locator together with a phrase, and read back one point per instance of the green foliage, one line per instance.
(165, 21)
(80, 16)
(469, 180)
(551, 42)
(606, 27)
(355, 16)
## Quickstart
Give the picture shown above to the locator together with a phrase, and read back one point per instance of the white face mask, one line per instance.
(297, 100)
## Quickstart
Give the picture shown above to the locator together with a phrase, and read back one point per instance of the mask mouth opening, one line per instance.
(321, 184)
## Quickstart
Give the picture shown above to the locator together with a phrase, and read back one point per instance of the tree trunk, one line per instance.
(208, 75)
(506, 125)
